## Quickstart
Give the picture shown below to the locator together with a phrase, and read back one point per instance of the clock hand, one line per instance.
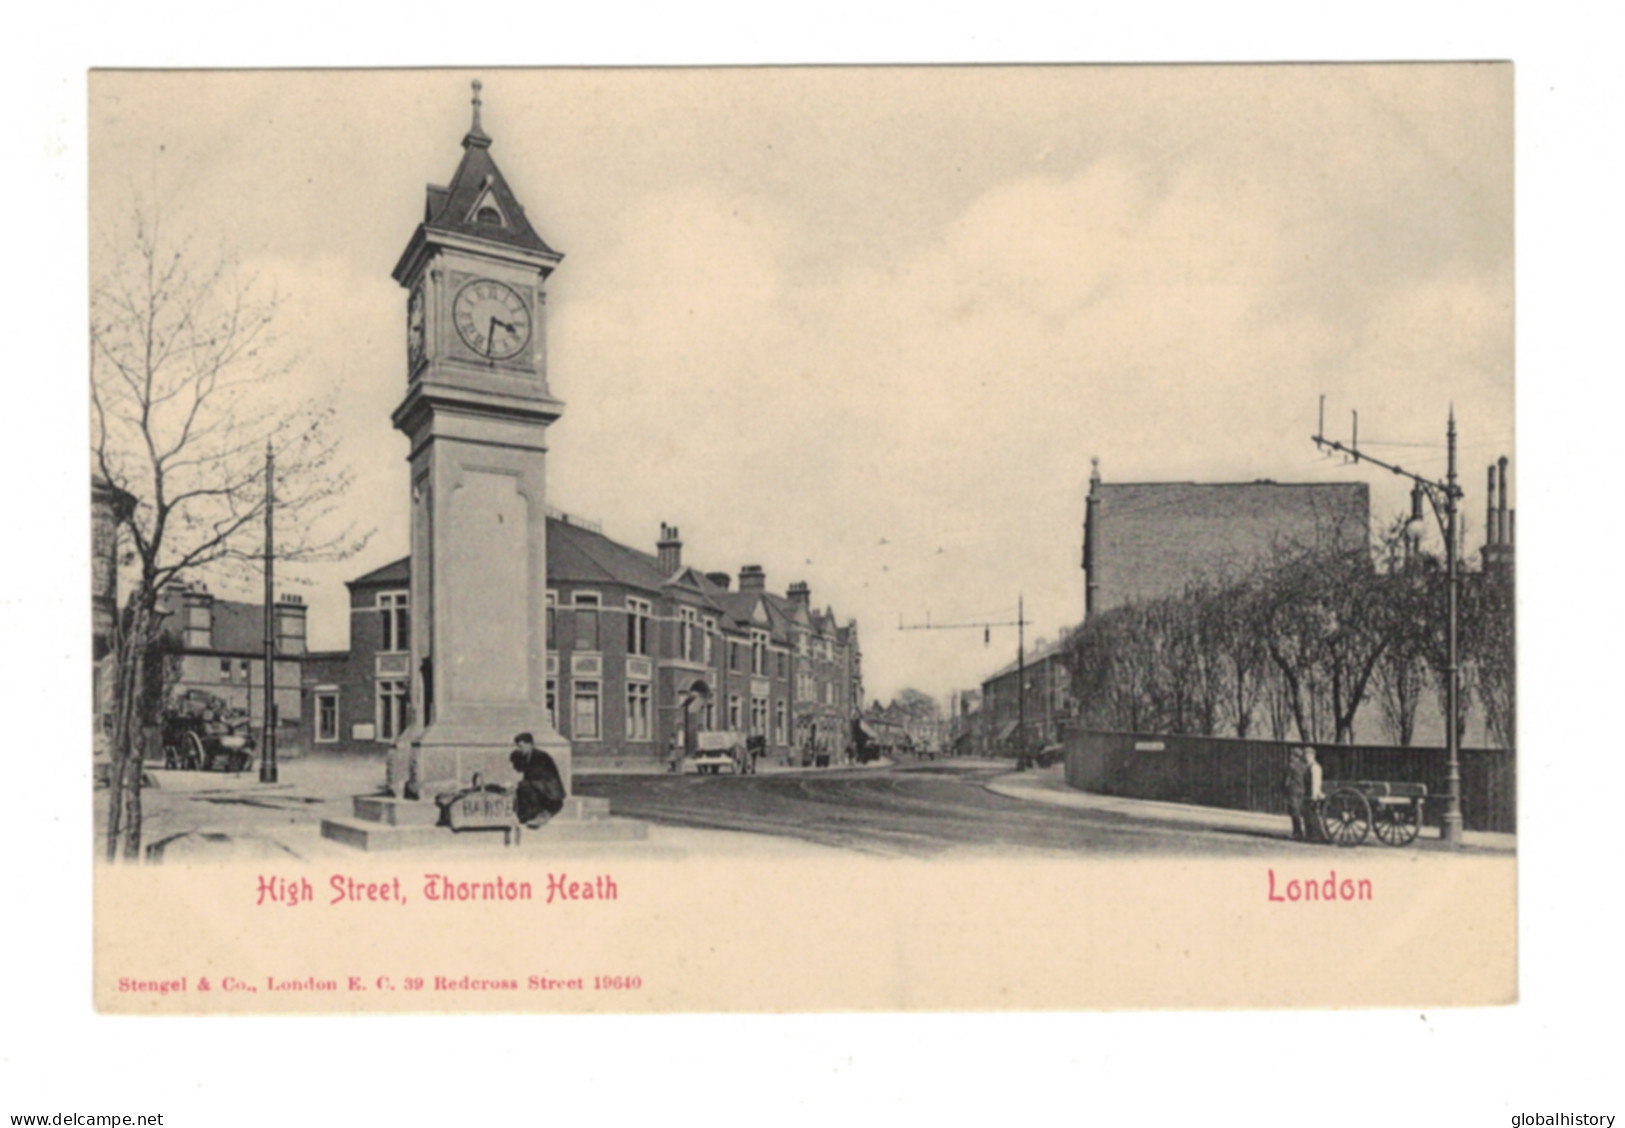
(508, 325)
(490, 338)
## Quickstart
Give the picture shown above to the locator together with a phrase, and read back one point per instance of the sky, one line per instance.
(868, 327)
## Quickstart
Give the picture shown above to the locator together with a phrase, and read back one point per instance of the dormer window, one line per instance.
(488, 216)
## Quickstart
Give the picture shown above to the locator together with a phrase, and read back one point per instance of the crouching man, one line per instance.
(540, 794)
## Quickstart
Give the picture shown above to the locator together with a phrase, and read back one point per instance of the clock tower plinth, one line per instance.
(477, 408)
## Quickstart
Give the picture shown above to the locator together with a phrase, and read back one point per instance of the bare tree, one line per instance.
(1328, 622)
(1496, 668)
(186, 398)
(1414, 619)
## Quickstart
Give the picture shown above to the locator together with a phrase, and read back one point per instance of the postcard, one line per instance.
(803, 539)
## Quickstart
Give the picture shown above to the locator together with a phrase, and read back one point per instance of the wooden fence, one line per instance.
(1246, 774)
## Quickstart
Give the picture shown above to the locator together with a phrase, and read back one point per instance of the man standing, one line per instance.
(540, 794)
(1295, 787)
(1315, 828)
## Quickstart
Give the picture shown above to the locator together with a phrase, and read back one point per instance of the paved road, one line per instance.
(915, 811)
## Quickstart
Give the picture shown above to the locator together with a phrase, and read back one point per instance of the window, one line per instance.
(733, 713)
(782, 659)
(779, 732)
(758, 716)
(327, 716)
(637, 711)
(710, 715)
(225, 669)
(488, 216)
(689, 644)
(553, 704)
(552, 616)
(637, 626)
(710, 630)
(390, 713)
(396, 618)
(733, 655)
(586, 607)
(758, 653)
(584, 720)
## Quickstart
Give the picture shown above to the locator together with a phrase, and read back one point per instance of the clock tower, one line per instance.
(477, 408)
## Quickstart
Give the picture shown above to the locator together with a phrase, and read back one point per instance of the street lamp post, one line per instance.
(1444, 498)
(1450, 825)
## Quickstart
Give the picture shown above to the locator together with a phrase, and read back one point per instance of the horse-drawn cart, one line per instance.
(1354, 808)
(207, 743)
(714, 751)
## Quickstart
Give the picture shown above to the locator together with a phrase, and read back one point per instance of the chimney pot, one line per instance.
(669, 550)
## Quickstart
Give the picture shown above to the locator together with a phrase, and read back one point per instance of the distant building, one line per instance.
(1145, 540)
(643, 654)
(216, 648)
(1038, 689)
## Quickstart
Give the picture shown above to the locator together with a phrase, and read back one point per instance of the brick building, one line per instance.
(216, 648)
(1047, 704)
(643, 654)
(1144, 540)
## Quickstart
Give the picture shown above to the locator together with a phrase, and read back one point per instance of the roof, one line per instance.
(575, 554)
(1153, 539)
(477, 205)
(580, 555)
(395, 572)
(1034, 657)
(476, 184)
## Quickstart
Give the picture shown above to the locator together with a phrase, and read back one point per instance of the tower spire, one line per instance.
(476, 135)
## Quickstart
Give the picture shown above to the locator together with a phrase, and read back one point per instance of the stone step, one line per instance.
(372, 836)
(580, 808)
(391, 811)
(379, 836)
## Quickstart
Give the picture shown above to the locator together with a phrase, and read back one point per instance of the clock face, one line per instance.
(492, 319)
(414, 328)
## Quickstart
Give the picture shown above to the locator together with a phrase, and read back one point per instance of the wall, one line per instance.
(1246, 774)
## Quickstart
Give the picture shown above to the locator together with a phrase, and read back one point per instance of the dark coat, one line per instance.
(541, 790)
(1295, 784)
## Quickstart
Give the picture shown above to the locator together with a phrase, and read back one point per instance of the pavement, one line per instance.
(1049, 786)
(225, 817)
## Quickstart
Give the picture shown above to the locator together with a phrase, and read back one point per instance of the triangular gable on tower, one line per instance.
(477, 204)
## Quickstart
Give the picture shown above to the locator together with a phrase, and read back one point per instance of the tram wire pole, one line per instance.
(1023, 761)
(268, 773)
(1444, 498)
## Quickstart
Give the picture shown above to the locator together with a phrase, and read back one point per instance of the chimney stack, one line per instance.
(721, 579)
(801, 595)
(1505, 521)
(669, 550)
(752, 577)
(1492, 533)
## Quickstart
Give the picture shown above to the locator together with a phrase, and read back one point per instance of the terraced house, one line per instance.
(644, 653)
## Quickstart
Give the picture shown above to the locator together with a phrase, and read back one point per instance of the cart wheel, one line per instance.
(195, 757)
(1347, 817)
(1398, 823)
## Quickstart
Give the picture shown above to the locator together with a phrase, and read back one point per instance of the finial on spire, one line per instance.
(477, 87)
